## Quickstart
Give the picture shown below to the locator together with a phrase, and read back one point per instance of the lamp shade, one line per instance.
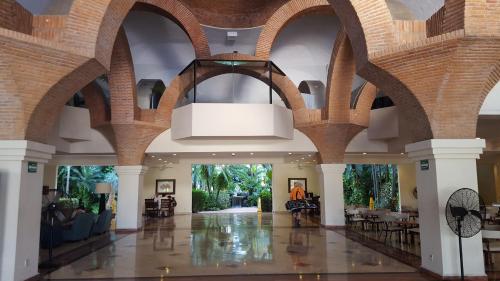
(103, 187)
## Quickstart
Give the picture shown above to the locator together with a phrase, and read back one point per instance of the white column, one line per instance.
(20, 206)
(130, 197)
(331, 194)
(451, 166)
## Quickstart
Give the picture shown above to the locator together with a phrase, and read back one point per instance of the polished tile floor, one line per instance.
(235, 244)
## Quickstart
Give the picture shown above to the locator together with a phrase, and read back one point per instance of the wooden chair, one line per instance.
(390, 227)
(167, 207)
(151, 207)
(353, 218)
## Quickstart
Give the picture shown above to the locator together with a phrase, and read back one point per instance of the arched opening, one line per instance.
(488, 128)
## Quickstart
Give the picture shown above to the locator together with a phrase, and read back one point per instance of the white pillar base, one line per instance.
(451, 166)
(130, 198)
(331, 194)
(20, 207)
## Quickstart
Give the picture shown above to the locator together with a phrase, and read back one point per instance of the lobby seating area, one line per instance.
(81, 227)
(162, 207)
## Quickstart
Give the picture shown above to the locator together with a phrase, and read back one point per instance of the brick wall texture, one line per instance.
(438, 72)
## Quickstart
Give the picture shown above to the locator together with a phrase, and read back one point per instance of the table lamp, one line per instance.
(102, 188)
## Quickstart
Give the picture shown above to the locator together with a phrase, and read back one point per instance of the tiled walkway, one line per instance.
(235, 247)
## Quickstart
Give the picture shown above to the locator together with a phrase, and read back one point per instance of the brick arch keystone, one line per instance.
(92, 25)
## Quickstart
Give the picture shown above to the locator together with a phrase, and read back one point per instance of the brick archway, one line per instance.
(181, 84)
(91, 29)
(49, 108)
(281, 18)
(92, 25)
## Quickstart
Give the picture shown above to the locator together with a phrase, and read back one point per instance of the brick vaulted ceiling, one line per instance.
(233, 13)
(438, 72)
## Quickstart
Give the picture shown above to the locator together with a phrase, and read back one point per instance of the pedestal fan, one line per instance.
(51, 206)
(464, 213)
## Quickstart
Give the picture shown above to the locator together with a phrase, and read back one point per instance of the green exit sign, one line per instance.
(32, 167)
(424, 165)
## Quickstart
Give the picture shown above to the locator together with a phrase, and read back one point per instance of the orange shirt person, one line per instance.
(297, 192)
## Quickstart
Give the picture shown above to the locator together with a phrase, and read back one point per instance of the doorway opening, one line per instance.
(231, 187)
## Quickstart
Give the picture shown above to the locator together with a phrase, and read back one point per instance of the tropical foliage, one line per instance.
(361, 181)
(219, 182)
(78, 182)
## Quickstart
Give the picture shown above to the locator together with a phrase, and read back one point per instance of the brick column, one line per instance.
(130, 199)
(442, 167)
(331, 194)
(21, 181)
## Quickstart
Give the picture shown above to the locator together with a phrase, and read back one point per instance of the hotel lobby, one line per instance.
(164, 139)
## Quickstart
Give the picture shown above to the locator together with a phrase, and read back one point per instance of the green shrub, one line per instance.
(223, 202)
(266, 200)
(199, 200)
(211, 204)
(68, 203)
(252, 200)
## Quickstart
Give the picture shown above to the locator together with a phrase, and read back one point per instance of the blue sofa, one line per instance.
(103, 222)
(80, 229)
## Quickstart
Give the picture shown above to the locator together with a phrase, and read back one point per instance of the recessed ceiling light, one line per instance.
(159, 159)
(402, 153)
(289, 153)
(251, 153)
(153, 156)
(303, 158)
(213, 154)
(364, 153)
(174, 154)
(233, 154)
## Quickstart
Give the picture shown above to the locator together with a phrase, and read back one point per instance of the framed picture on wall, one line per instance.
(292, 181)
(165, 186)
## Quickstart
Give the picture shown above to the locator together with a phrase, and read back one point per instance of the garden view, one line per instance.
(214, 186)
(77, 184)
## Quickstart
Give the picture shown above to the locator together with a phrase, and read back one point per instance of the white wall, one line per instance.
(182, 175)
(423, 9)
(244, 43)
(491, 105)
(384, 123)
(216, 120)
(488, 187)
(304, 47)
(281, 173)
(47, 7)
(407, 182)
(72, 134)
(160, 48)
(50, 175)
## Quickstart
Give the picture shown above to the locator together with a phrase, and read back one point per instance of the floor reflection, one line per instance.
(228, 244)
(230, 240)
